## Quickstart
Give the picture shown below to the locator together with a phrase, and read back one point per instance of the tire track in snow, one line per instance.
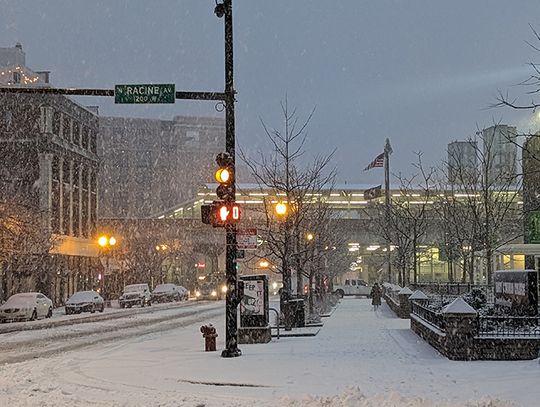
(47, 347)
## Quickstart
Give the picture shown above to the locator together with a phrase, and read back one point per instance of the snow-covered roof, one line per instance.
(405, 290)
(459, 306)
(418, 295)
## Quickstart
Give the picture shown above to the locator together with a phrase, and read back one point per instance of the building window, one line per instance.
(5, 120)
(76, 133)
(66, 128)
(66, 203)
(76, 201)
(55, 209)
(57, 120)
(85, 137)
(93, 144)
(84, 202)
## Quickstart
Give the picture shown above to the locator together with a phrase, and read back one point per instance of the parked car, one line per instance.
(26, 306)
(184, 291)
(84, 301)
(135, 294)
(352, 287)
(168, 292)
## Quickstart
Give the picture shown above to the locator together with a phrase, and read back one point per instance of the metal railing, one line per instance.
(508, 326)
(393, 296)
(427, 314)
(449, 288)
(447, 292)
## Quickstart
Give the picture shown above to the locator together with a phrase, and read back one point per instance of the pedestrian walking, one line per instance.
(375, 295)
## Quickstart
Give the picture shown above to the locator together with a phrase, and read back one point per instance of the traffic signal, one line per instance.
(220, 213)
(224, 176)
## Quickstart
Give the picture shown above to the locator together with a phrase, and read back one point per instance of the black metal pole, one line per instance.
(232, 298)
(387, 203)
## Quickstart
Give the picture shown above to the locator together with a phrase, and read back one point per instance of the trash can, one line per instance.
(297, 313)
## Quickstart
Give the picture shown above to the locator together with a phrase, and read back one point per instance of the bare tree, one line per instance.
(533, 81)
(480, 205)
(405, 223)
(296, 184)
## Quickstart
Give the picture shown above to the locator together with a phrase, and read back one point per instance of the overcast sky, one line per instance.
(419, 72)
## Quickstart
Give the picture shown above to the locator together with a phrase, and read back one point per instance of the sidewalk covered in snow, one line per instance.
(359, 358)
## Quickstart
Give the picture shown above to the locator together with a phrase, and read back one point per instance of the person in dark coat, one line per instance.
(375, 295)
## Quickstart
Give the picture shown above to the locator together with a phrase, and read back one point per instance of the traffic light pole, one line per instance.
(232, 298)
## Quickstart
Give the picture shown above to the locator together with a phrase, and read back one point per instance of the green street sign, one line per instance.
(533, 227)
(130, 94)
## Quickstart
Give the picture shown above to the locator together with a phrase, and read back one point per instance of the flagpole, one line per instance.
(387, 203)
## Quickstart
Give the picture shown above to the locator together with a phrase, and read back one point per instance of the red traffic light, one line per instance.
(220, 213)
(228, 213)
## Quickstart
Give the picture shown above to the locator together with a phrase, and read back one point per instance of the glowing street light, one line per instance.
(264, 264)
(105, 241)
(281, 208)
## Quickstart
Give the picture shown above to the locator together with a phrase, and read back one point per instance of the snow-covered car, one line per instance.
(84, 301)
(26, 306)
(352, 287)
(168, 292)
(184, 291)
(135, 294)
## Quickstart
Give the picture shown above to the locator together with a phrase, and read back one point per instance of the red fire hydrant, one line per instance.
(209, 334)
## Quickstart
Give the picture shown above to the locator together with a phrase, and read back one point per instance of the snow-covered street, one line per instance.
(359, 358)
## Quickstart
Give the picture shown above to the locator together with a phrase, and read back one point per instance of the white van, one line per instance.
(352, 287)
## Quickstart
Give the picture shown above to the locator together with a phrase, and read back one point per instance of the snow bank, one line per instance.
(353, 397)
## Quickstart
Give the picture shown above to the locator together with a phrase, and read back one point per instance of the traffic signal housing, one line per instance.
(220, 213)
(224, 176)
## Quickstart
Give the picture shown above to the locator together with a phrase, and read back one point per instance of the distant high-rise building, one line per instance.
(462, 161)
(500, 153)
(14, 72)
(150, 165)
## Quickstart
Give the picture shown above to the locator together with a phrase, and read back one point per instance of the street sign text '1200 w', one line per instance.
(163, 93)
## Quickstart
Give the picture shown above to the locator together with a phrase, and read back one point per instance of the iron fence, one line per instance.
(508, 326)
(427, 314)
(447, 292)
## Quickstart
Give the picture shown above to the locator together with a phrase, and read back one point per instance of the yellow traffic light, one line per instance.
(223, 175)
(281, 209)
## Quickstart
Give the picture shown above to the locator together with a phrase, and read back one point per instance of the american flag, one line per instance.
(377, 162)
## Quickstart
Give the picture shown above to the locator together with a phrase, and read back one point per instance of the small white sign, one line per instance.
(246, 239)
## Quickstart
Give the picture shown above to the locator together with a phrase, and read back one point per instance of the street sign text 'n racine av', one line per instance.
(158, 93)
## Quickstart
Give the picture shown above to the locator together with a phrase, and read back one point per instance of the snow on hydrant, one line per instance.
(209, 335)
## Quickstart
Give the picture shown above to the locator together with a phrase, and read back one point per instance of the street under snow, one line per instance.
(359, 358)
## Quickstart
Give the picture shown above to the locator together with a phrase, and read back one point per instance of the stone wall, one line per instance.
(460, 341)
(400, 304)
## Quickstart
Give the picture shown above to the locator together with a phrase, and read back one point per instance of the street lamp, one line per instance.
(264, 264)
(105, 242)
(309, 237)
(281, 209)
